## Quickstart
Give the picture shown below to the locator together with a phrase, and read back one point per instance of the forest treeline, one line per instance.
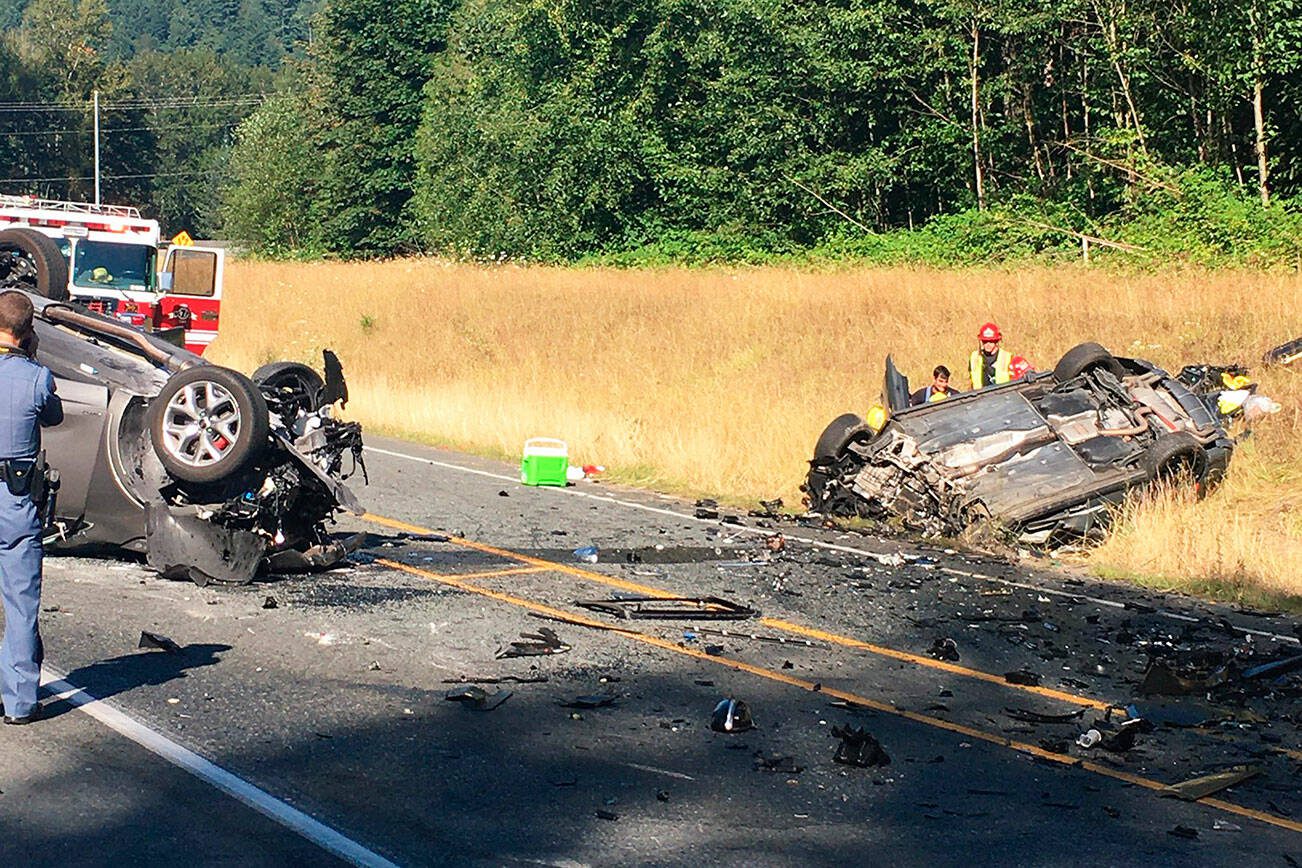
(652, 130)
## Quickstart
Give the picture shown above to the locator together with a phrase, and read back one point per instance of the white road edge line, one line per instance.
(264, 803)
(1166, 613)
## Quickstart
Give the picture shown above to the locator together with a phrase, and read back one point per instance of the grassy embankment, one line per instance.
(717, 382)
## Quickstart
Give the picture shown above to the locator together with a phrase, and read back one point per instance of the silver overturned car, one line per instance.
(211, 475)
(1045, 458)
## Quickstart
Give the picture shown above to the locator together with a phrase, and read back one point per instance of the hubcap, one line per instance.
(201, 424)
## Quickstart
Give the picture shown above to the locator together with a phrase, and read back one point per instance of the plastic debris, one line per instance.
(592, 700)
(586, 555)
(270, 603)
(780, 764)
(1197, 788)
(731, 715)
(158, 641)
(858, 748)
(478, 697)
(944, 649)
(1022, 677)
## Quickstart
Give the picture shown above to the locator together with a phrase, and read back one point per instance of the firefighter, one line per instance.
(939, 389)
(28, 402)
(990, 364)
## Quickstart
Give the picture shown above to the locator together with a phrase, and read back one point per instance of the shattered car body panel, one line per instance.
(1044, 457)
(213, 516)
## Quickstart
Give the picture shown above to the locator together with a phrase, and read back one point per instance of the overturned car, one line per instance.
(1044, 458)
(213, 476)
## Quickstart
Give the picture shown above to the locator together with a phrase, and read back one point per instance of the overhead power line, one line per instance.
(107, 177)
(86, 132)
(135, 104)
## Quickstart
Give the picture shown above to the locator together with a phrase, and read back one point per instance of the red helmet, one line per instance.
(989, 332)
(1019, 367)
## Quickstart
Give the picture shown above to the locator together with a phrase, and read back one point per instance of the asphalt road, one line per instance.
(315, 727)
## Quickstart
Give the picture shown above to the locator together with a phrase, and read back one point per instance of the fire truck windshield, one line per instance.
(106, 265)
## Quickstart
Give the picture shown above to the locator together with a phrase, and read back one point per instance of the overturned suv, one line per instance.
(1045, 458)
(211, 475)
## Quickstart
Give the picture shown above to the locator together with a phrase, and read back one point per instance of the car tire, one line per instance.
(208, 423)
(33, 262)
(1086, 357)
(836, 435)
(1173, 454)
(296, 386)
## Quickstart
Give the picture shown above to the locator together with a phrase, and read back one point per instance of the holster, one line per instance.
(30, 478)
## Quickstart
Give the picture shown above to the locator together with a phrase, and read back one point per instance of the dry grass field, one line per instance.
(718, 382)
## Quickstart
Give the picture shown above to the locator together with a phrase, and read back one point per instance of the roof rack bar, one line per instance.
(8, 201)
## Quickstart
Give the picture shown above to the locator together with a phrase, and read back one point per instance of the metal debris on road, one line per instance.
(780, 764)
(1023, 677)
(586, 554)
(270, 603)
(540, 644)
(497, 679)
(759, 637)
(157, 641)
(1027, 716)
(944, 649)
(670, 608)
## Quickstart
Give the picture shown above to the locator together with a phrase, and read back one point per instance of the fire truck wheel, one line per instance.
(292, 385)
(31, 261)
(208, 423)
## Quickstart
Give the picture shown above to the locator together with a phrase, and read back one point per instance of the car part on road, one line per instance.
(1044, 459)
(778, 764)
(731, 715)
(32, 262)
(1028, 716)
(591, 700)
(541, 644)
(671, 608)
(759, 637)
(944, 649)
(157, 641)
(1023, 677)
(858, 748)
(1197, 788)
(478, 698)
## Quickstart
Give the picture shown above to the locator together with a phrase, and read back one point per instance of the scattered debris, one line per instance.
(1274, 668)
(1196, 788)
(603, 814)
(1027, 716)
(478, 698)
(1022, 677)
(1117, 740)
(662, 795)
(707, 508)
(759, 637)
(592, 700)
(785, 765)
(858, 748)
(1183, 832)
(540, 644)
(731, 715)
(270, 603)
(586, 554)
(670, 608)
(1160, 680)
(497, 679)
(944, 649)
(158, 641)
(775, 543)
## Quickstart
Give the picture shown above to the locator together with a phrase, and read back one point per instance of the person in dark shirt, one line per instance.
(27, 402)
(939, 389)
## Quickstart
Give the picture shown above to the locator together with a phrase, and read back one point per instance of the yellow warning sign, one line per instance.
(182, 239)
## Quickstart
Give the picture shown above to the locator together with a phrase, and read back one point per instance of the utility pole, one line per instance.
(95, 94)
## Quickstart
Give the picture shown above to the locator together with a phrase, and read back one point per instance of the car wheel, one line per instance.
(292, 385)
(1086, 357)
(208, 423)
(1175, 454)
(32, 262)
(836, 435)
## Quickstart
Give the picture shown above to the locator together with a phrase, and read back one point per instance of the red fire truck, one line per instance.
(109, 261)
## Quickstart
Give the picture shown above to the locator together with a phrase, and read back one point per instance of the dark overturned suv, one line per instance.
(1045, 458)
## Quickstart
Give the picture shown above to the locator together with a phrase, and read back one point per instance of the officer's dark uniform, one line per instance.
(27, 401)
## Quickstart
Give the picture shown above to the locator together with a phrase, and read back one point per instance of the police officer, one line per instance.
(27, 402)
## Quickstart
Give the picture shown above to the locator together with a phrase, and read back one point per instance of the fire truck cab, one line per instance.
(113, 266)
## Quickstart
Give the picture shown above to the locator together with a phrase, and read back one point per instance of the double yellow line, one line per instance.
(540, 565)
